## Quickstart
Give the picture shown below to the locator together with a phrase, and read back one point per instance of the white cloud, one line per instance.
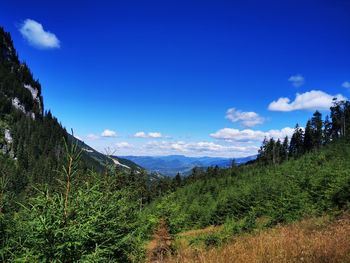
(154, 135)
(346, 84)
(246, 119)
(203, 148)
(35, 34)
(311, 100)
(123, 145)
(108, 133)
(92, 136)
(248, 135)
(223, 148)
(142, 134)
(297, 80)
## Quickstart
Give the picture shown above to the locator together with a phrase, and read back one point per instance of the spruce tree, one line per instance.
(296, 147)
(178, 180)
(327, 132)
(285, 149)
(317, 125)
(308, 137)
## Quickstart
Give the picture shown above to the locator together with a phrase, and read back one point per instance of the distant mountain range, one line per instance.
(172, 164)
(101, 159)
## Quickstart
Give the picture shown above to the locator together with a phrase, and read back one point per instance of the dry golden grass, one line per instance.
(310, 240)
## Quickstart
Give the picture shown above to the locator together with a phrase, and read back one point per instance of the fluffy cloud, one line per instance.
(246, 119)
(297, 80)
(35, 34)
(199, 148)
(346, 84)
(222, 148)
(140, 135)
(311, 100)
(108, 133)
(92, 136)
(154, 135)
(123, 145)
(148, 135)
(248, 135)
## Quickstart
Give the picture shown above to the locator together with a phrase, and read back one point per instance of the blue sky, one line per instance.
(183, 77)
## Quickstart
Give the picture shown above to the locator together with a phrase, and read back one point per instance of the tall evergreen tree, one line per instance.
(327, 132)
(340, 114)
(317, 126)
(278, 152)
(308, 137)
(262, 153)
(285, 149)
(296, 147)
(178, 180)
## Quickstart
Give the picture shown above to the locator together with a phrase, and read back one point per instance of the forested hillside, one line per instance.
(312, 184)
(308, 175)
(60, 200)
(31, 139)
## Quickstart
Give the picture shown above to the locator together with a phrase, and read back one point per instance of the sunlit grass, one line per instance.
(312, 240)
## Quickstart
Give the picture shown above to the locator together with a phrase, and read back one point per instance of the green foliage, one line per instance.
(77, 223)
(315, 183)
(230, 228)
(100, 225)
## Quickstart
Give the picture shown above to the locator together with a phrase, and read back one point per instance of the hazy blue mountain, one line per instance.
(172, 164)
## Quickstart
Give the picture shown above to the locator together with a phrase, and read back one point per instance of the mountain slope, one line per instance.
(315, 183)
(31, 139)
(102, 159)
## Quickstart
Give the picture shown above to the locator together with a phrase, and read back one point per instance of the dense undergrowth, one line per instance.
(84, 220)
(94, 218)
(316, 183)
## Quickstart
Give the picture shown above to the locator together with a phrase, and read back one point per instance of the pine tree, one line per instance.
(338, 112)
(272, 158)
(178, 180)
(327, 132)
(285, 149)
(317, 126)
(262, 153)
(296, 147)
(278, 152)
(308, 137)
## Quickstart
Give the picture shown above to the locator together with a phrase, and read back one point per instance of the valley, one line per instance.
(172, 164)
(163, 132)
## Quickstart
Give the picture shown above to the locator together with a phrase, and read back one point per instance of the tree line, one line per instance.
(317, 132)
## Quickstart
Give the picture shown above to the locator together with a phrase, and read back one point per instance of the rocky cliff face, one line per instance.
(20, 93)
(17, 84)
